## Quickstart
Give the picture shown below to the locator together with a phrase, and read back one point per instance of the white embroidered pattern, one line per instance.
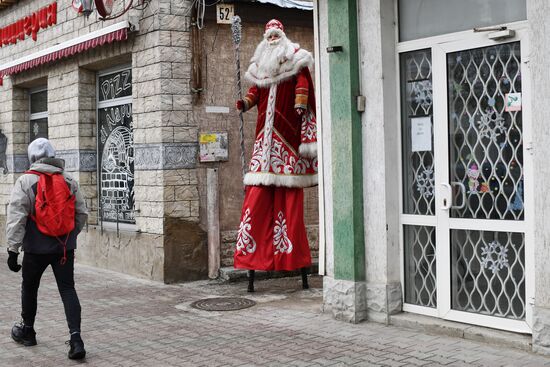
(268, 128)
(245, 241)
(280, 237)
(255, 162)
(309, 129)
(283, 162)
(280, 159)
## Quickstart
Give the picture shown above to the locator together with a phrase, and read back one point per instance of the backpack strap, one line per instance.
(38, 173)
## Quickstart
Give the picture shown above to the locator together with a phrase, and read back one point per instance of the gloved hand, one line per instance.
(12, 261)
(240, 105)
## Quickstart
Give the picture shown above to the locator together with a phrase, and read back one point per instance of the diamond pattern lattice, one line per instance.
(416, 69)
(420, 266)
(488, 273)
(486, 141)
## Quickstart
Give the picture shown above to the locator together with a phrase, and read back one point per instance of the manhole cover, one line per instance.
(223, 304)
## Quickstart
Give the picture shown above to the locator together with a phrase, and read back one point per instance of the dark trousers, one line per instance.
(34, 266)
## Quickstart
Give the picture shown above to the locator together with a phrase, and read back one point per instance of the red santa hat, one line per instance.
(274, 26)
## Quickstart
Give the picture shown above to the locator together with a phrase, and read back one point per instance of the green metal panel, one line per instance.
(347, 175)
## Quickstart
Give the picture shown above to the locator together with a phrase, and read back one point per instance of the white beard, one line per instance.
(270, 57)
(278, 61)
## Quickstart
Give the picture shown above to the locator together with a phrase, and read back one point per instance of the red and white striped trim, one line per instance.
(115, 32)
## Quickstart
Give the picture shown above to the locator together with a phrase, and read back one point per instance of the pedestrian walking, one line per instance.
(272, 233)
(45, 215)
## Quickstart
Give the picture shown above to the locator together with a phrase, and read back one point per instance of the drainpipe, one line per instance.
(213, 217)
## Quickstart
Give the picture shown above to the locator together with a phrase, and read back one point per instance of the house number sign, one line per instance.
(224, 13)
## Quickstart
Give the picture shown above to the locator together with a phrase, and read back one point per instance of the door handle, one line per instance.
(447, 198)
(463, 191)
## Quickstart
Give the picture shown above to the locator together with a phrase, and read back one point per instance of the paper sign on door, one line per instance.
(513, 102)
(421, 134)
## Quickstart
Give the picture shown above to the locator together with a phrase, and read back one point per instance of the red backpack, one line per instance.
(54, 208)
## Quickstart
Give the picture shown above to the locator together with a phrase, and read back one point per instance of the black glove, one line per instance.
(12, 261)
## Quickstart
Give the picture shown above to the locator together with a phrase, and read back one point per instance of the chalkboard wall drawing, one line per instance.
(116, 148)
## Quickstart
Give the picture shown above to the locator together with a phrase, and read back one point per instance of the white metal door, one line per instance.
(466, 194)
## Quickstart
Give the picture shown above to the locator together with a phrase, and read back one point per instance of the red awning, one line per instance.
(118, 35)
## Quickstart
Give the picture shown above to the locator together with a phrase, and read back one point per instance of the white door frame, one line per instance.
(440, 46)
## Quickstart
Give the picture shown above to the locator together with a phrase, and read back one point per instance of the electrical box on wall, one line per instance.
(213, 147)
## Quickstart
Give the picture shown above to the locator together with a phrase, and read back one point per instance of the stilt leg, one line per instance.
(305, 284)
(251, 274)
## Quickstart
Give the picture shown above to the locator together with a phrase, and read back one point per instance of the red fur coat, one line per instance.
(285, 152)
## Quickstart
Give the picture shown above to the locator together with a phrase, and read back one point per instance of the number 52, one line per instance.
(224, 13)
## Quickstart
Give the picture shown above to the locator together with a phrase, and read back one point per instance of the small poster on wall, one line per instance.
(421, 134)
(213, 147)
(513, 102)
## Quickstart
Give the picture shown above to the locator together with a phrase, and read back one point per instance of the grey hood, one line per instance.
(40, 148)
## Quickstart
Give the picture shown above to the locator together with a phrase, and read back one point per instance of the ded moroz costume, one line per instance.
(272, 234)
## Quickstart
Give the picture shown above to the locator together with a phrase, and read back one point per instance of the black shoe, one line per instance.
(251, 275)
(76, 350)
(23, 334)
(305, 284)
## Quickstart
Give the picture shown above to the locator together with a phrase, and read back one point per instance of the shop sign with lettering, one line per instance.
(29, 25)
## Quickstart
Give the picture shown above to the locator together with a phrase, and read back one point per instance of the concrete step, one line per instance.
(433, 325)
(230, 274)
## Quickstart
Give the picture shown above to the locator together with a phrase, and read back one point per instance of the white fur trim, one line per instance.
(270, 179)
(301, 59)
(308, 150)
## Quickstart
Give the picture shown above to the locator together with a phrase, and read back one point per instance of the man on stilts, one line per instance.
(272, 233)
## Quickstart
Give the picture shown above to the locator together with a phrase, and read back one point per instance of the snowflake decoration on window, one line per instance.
(421, 94)
(491, 125)
(35, 129)
(425, 182)
(494, 257)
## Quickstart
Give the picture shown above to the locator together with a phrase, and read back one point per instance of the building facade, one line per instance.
(434, 161)
(120, 100)
(113, 97)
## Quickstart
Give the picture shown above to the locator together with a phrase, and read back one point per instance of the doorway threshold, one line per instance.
(433, 325)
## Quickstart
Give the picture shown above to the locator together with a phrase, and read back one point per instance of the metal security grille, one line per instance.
(488, 273)
(417, 101)
(420, 266)
(486, 140)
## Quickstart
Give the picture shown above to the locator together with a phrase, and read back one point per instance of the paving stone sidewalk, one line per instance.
(133, 322)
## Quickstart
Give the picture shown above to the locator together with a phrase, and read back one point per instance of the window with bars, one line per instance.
(38, 121)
